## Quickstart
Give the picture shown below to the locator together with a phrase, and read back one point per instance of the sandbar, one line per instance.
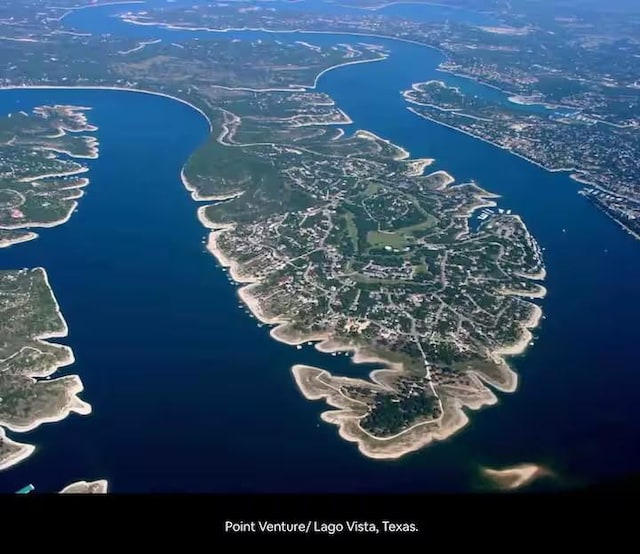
(514, 477)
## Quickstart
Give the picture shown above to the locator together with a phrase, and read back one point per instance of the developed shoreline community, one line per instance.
(337, 238)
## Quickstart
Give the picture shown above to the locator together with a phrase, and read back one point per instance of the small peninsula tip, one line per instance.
(87, 487)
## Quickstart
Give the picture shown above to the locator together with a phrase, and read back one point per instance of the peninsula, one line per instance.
(86, 487)
(338, 236)
(40, 179)
(28, 396)
(348, 243)
(12, 452)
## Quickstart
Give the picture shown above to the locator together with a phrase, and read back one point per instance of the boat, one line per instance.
(26, 490)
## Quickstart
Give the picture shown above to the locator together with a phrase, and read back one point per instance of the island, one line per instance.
(40, 179)
(28, 395)
(336, 236)
(86, 487)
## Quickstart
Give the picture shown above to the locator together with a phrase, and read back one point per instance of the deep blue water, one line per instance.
(189, 394)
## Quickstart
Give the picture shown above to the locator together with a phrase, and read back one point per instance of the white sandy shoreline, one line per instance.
(540, 292)
(195, 195)
(409, 440)
(70, 173)
(521, 345)
(274, 31)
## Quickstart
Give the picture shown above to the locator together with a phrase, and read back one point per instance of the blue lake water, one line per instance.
(189, 394)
